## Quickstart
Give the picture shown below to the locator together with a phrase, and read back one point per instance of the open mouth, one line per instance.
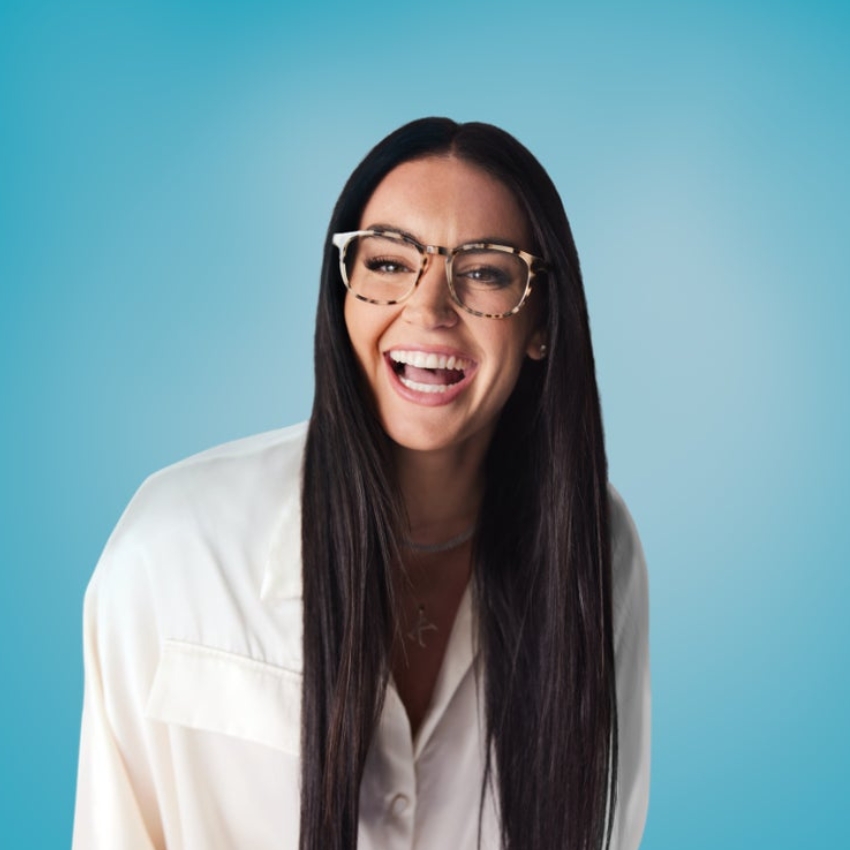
(428, 372)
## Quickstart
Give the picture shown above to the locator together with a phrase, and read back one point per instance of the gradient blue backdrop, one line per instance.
(166, 175)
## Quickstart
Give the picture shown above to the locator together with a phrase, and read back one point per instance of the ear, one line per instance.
(536, 349)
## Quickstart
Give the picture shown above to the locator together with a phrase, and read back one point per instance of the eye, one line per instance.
(387, 265)
(490, 277)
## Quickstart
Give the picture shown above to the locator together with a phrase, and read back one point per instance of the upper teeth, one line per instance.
(423, 360)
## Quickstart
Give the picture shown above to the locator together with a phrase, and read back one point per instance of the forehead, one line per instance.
(446, 201)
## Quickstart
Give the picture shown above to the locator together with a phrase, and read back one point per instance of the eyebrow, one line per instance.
(492, 240)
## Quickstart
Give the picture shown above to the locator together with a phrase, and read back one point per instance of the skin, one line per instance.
(440, 440)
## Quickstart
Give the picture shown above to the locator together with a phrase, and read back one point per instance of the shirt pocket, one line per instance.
(209, 689)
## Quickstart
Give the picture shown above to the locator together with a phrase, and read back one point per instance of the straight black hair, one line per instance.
(541, 556)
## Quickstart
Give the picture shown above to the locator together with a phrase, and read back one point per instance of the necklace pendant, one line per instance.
(423, 624)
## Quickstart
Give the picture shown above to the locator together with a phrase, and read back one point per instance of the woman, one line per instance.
(421, 621)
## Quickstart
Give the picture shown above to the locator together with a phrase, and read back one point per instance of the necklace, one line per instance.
(423, 624)
(446, 546)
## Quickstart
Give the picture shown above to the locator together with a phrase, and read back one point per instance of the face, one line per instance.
(440, 376)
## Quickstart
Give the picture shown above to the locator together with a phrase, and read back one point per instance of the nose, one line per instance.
(430, 305)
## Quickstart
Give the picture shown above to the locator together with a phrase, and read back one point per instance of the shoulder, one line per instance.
(623, 529)
(235, 475)
(238, 481)
(628, 564)
(631, 650)
(193, 545)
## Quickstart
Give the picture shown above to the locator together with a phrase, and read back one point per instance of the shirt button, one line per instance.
(399, 804)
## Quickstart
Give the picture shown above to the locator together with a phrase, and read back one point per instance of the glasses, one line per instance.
(384, 267)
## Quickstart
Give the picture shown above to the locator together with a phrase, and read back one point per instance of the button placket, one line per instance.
(400, 797)
(388, 789)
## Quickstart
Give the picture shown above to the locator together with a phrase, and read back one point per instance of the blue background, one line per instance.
(167, 171)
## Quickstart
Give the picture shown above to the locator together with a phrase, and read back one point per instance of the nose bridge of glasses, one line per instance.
(429, 251)
(431, 290)
(435, 251)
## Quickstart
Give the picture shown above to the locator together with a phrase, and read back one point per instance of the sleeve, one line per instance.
(631, 650)
(116, 786)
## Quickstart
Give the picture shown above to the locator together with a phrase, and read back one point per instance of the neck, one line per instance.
(442, 492)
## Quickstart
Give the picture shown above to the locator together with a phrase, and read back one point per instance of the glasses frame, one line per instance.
(534, 264)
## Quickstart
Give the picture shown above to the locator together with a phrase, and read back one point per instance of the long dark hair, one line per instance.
(542, 563)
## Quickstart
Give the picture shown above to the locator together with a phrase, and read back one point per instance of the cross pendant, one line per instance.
(423, 624)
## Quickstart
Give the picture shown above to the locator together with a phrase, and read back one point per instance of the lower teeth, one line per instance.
(424, 388)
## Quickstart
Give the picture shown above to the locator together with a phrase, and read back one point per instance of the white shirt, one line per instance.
(192, 642)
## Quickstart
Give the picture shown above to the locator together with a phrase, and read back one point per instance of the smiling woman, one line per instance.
(421, 619)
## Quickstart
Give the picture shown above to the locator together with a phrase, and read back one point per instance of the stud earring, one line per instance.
(543, 349)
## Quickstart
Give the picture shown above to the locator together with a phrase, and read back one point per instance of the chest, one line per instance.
(429, 598)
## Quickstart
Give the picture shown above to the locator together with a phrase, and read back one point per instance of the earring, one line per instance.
(543, 349)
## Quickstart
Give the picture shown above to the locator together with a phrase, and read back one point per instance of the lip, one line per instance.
(430, 399)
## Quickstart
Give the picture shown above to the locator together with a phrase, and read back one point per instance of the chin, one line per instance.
(425, 437)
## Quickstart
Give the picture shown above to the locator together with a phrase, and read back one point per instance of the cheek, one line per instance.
(511, 341)
(512, 347)
(356, 326)
(347, 316)
(365, 325)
